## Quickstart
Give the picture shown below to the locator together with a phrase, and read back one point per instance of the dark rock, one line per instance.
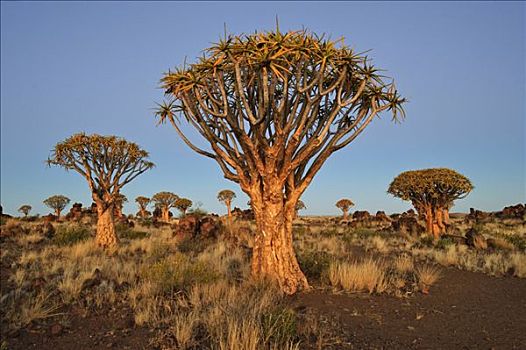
(56, 329)
(408, 225)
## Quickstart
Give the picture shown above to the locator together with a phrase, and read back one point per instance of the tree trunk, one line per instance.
(165, 214)
(445, 216)
(57, 213)
(106, 234)
(273, 254)
(142, 212)
(184, 212)
(345, 214)
(228, 209)
(440, 221)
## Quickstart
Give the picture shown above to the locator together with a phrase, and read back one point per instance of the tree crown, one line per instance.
(226, 196)
(436, 186)
(344, 204)
(143, 201)
(57, 202)
(25, 209)
(165, 199)
(183, 204)
(300, 205)
(107, 162)
(276, 100)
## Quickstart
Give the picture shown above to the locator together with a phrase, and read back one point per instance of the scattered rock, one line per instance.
(408, 225)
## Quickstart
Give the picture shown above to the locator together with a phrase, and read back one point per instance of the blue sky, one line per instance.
(78, 66)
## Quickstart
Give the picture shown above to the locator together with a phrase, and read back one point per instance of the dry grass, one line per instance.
(368, 275)
(427, 275)
(403, 264)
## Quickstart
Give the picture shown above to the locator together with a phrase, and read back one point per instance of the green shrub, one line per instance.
(314, 264)
(279, 326)
(517, 241)
(68, 234)
(192, 245)
(443, 243)
(427, 241)
(178, 272)
(124, 231)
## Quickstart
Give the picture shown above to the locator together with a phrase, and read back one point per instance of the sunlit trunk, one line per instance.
(345, 214)
(106, 235)
(228, 203)
(273, 252)
(57, 213)
(165, 214)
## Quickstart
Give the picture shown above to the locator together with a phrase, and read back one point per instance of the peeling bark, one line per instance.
(165, 214)
(106, 235)
(273, 254)
(345, 214)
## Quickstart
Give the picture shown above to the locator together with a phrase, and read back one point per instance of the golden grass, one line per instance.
(427, 275)
(368, 275)
(403, 264)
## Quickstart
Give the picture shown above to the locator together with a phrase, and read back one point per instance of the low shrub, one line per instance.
(443, 243)
(68, 234)
(314, 264)
(124, 231)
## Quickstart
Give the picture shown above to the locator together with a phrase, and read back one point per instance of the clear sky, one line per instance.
(78, 66)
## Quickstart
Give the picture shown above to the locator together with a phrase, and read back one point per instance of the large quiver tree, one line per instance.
(57, 203)
(107, 163)
(273, 107)
(432, 193)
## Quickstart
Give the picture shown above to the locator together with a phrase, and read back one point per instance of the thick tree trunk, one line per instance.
(445, 215)
(142, 212)
(345, 214)
(165, 214)
(106, 234)
(57, 213)
(440, 221)
(273, 253)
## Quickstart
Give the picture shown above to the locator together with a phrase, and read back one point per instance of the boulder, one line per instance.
(408, 225)
(193, 226)
(361, 215)
(513, 212)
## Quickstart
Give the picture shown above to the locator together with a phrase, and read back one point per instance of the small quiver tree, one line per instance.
(299, 206)
(226, 197)
(273, 107)
(344, 205)
(432, 193)
(107, 163)
(120, 199)
(25, 209)
(57, 203)
(165, 201)
(143, 204)
(183, 204)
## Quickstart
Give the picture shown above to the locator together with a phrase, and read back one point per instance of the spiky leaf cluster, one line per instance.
(183, 204)
(300, 205)
(344, 204)
(226, 196)
(143, 201)
(107, 162)
(276, 99)
(25, 209)
(57, 202)
(437, 187)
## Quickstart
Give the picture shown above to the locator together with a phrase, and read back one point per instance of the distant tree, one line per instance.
(273, 107)
(432, 193)
(25, 209)
(107, 163)
(226, 196)
(164, 201)
(120, 199)
(299, 206)
(344, 205)
(57, 203)
(143, 204)
(183, 204)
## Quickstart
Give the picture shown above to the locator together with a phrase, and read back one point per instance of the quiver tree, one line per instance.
(273, 107)
(226, 197)
(107, 163)
(120, 199)
(25, 209)
(164, 201)
(299, 206)
(432, 193)
(143, 204)
(57, 203)
(183, 204)
(344, 205)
